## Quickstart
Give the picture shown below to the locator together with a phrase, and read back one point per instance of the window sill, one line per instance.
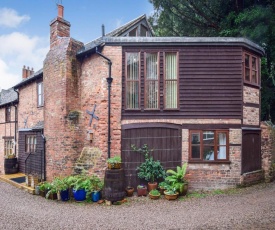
(209, 162)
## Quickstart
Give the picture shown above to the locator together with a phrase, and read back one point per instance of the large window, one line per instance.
(151, 81)
(251, 68)
(8, 147)
(8, 114)
(40, 94)
(132, 80)
(30, 143)
(171, 81)
(209, 145)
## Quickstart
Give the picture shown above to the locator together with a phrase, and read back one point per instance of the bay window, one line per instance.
(251, 69)
(209, 145)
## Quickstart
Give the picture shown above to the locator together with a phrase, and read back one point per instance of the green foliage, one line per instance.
(176, 178)
(155, 192)
(114, 160)
(150, 170)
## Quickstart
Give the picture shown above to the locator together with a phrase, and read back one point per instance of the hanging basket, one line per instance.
(114, 165)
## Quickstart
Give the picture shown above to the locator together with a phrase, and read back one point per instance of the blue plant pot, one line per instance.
(79, 195)
(95, 196)
(65, 195)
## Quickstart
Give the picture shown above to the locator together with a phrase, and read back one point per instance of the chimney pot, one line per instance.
(60, 11)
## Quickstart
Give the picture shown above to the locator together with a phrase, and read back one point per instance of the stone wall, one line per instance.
(268, 151)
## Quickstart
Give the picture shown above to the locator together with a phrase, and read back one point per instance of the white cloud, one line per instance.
(10, 18)
(18, 49)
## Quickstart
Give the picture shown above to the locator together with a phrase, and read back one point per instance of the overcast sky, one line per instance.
(25, 31)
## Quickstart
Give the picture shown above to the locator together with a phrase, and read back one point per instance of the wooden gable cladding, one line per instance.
(209, 78)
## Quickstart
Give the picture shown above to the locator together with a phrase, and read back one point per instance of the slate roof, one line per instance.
(8, 96)
(171, 41)
(38, 126)
(31, 78)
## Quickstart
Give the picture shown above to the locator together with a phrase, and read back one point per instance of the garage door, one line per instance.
(164, 139)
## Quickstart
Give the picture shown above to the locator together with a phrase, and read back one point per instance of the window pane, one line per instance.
(171, 66)
(253, 63)
(222, 146)
(132, 66)
(151, 100)
(132, 86)
(132, 95)
(208, 138)
(195, 141)
(208, 153)
(247, 74)
(171, 95)
(254, 77)
(143, 31)
(246, 60)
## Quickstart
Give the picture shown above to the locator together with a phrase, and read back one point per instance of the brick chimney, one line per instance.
(59, 27)
(26, 72)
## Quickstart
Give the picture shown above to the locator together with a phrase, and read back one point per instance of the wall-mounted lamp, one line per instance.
(90, 135)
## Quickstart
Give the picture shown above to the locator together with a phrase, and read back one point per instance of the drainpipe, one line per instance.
(16, 120)
(109, 81)
(44, 153)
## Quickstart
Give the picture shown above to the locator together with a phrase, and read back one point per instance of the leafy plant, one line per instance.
(141, 186)
(163, 185)
(176, 178)
(155, 192)
(114, 160)
(150, 170)
(170, 190)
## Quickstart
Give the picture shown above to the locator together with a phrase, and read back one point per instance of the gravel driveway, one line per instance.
(247, 208)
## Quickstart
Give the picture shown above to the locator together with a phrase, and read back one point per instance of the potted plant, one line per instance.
(171, 193)
(177, 180)
(162, 187)
(114, 162)
(96, 187)
(43, 188)
(150, 170)
(142, 190)
(81, 184)
(61, 186)
(129, 189)
(154, 194)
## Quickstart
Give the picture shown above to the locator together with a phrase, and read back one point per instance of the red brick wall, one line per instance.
(94, 90)
(64, 138)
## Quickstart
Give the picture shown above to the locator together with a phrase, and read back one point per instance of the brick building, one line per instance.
(189, 99)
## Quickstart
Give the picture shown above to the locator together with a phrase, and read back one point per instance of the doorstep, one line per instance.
(7, 179)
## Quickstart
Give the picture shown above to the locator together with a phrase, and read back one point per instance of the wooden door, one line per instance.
(165, 140)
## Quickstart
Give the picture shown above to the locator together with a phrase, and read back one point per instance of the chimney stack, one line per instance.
(60, 11)
(26, 72)
(59, 27)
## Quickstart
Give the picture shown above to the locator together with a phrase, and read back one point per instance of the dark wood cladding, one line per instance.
(35, 160)
(210, 83)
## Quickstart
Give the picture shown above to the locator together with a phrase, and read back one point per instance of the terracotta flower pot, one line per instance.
(154, 197)
(171, 196)
(129, 191)
(152, 186)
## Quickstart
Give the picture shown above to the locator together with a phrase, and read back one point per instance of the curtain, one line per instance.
(222, 146)
(132, 78)
(151, 94)
(171, 99)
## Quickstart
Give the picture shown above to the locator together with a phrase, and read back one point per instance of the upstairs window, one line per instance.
(251, 69)
(30, 143)
(209, 146)
(151, 81)
(132, 80)
(40, 94)
(8, 114)
(171, 81)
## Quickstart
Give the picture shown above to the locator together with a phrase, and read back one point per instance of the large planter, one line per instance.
(11, 165)
(171, 196)
(95, 196)
(65, 195)
(79, 195)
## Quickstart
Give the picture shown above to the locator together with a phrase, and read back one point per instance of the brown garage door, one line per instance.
(251, 151)
(164, 139)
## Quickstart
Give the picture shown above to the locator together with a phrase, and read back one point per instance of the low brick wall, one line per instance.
(251, 178)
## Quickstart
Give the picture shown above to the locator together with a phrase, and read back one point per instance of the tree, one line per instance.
(253, 19)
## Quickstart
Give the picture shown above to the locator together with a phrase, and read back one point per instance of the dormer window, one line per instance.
(139, 31)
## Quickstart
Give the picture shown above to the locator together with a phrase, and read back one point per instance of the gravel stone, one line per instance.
(246, 208)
